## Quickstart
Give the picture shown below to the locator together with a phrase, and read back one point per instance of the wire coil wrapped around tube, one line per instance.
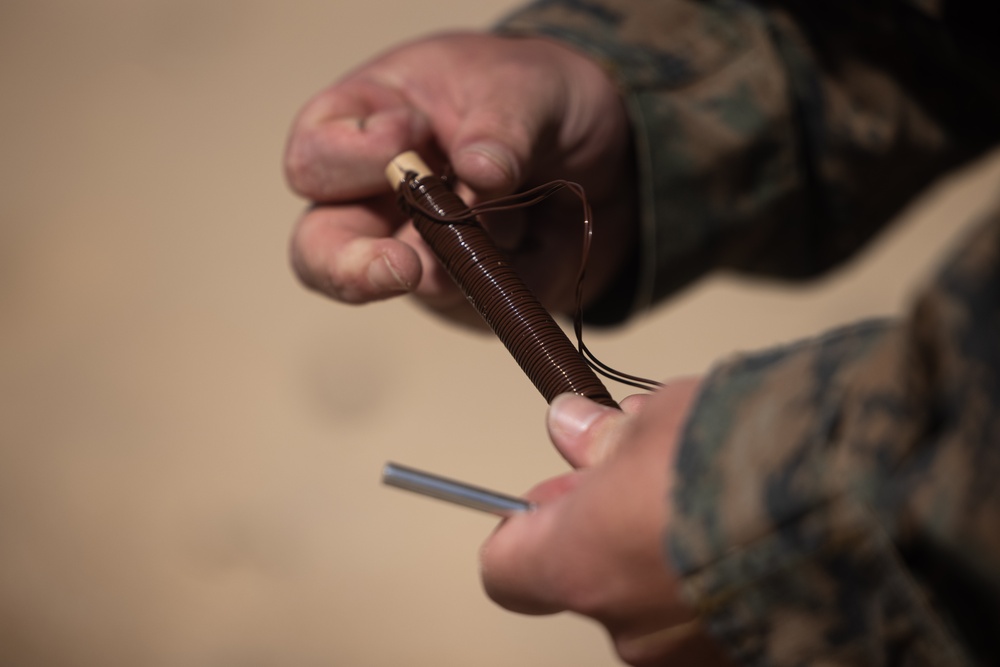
(497, 292)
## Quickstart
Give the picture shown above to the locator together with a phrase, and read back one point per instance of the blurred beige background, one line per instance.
(190, 443)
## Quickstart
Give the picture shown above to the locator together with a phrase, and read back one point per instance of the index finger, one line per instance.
(344, 137)
(515, 565)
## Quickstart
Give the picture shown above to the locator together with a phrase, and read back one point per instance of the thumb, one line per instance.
(584, 432)
(493, 146)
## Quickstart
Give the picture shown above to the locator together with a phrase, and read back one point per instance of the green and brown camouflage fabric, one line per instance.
(777, 138)
(838, 499)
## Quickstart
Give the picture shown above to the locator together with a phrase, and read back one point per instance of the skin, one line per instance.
(594, 545)
(506, 114)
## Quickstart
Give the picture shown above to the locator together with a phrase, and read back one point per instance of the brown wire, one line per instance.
(533, 196)
(496, 291)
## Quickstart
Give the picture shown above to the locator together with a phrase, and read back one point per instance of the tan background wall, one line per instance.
(190, 443)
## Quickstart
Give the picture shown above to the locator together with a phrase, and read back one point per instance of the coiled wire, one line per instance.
(498, 293)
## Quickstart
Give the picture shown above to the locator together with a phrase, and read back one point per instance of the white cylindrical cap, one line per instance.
(403, 164)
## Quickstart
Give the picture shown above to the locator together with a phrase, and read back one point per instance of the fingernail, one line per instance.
(383, 276)
(351, 122)
(497, 155)
(571, 415)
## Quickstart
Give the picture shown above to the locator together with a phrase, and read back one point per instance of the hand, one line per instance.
(594, 545)
(506, 114)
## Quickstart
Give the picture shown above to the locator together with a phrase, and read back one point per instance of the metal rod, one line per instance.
(453, 491)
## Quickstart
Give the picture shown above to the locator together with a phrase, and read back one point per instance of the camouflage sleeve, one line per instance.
(774, 138)
(837, 500)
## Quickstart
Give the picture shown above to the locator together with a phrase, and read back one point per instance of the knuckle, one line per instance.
(320, 276)
(298, 166)
(577, 592)
(295, 178)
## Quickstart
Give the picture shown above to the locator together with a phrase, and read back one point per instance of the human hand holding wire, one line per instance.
(505, 114)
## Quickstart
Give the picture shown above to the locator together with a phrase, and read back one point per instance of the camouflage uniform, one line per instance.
(838, 499)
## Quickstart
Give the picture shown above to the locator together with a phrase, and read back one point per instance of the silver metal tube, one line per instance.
(453, 491)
